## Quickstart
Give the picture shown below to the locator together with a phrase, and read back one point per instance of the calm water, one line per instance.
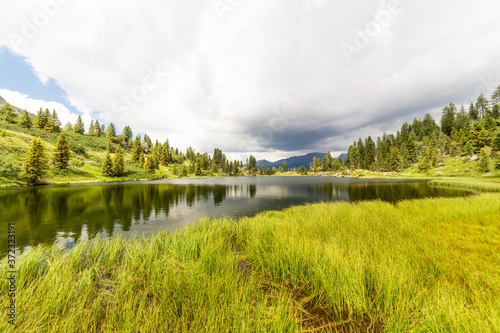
(65, 214)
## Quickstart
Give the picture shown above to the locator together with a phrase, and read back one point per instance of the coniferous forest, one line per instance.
(471, 133)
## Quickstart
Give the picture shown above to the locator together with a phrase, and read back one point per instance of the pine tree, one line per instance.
(97, 129)
(53, 123)
(110, 132)
(35, 164)
(395, 160)
(497, 163)
(62, 153)
(141, 159)
(79, 127)
(468, 149)
(261, 169)
(336, 165)
(40, 120)
(68, 127)
(25, 120)
(495, 143)
(118, 163)
(425, 163)
(154, 160)
(483, 162)
(127, 132)
(410, 150)
(284, 168)
(197, 169)
(107, 165)
(136, 149)
(8, 114)
(91, 131)
(164, 155)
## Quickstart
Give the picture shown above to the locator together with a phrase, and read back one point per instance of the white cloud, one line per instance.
(25, 102)
(228, 72)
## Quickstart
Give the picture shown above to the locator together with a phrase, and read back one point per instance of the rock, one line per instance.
(474, 158)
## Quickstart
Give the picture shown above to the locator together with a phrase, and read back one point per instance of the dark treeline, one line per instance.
(461, 132)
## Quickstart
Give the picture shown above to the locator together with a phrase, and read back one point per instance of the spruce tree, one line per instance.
(97, 129)
(8, 114)
(35, 164)
(40, 120)
(284, 168)
(136, 149)
(410, 150)
(118, 163)
(395, 160)
(62, 153)
(197, 168)
(483, 162)
(468, 149)
(425, 163)
(154, 159)
(107, 165)
(79, 127)
(68, 127)
(495, 143)
(110, 132)
(141, 159)
(127, 132)
(25, 120)
(53, 123)
(91, 131)
(497, 163)
(164, 156)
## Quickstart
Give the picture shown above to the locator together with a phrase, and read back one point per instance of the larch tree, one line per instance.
(62, 153)
(35, 164)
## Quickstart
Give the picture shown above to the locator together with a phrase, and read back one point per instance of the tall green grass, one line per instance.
(476, 184)
(419, 266)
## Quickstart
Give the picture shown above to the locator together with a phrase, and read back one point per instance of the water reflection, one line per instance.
(64, 215)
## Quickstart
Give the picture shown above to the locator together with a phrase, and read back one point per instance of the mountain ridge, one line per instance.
(295, 161)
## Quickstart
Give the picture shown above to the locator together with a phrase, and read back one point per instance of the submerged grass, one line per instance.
(419, 266)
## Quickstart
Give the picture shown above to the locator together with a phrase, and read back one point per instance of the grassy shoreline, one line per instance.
(369, 266)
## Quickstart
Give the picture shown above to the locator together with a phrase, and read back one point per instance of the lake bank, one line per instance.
(352, 267)
(65, 214)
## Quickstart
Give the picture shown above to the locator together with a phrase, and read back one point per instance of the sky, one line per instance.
(270, 78)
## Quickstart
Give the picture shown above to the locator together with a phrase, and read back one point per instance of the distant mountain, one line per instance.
(18, 111)
(295, 162)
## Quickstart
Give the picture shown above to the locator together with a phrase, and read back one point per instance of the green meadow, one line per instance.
(428, 265)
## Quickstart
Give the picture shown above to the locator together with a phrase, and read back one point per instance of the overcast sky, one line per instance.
(270, 78)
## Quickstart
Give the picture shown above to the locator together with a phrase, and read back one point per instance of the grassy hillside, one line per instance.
(85, 164)
(365, 267)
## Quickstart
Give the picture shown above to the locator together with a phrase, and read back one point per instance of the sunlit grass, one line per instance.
(419, 266)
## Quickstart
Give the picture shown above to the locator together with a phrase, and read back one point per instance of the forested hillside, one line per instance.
(465, 134)
(37, 149)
